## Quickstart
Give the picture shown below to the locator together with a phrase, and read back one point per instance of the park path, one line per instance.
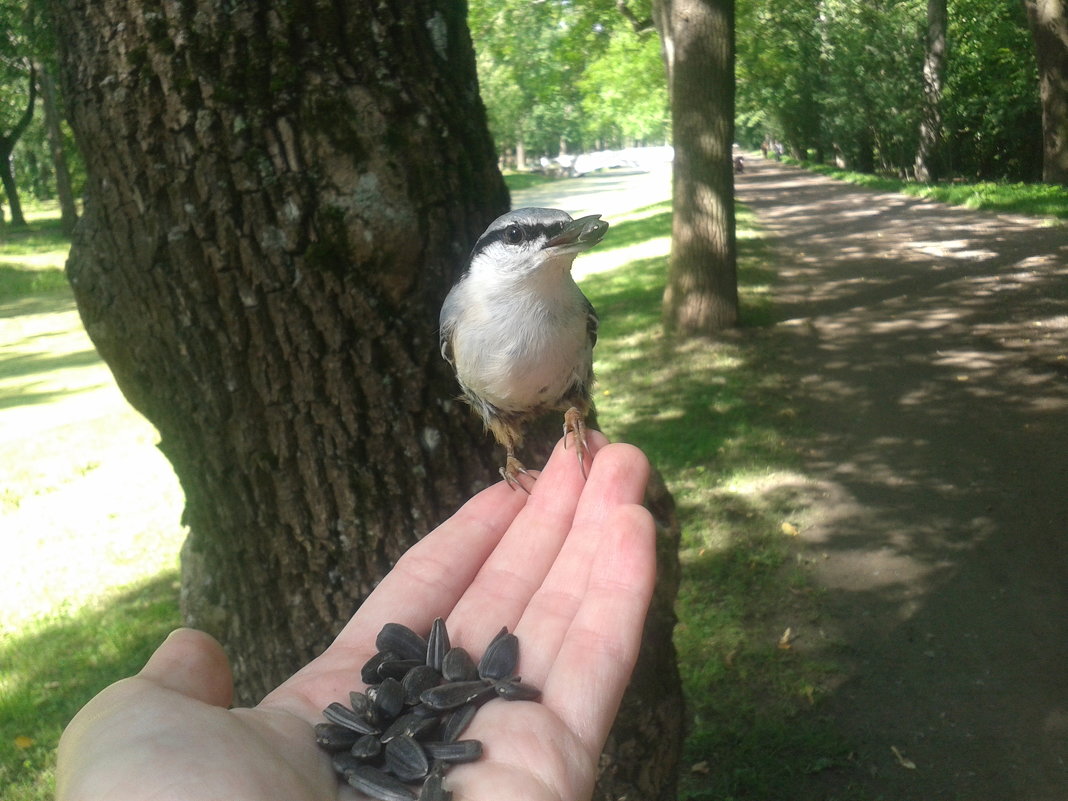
(929, 348)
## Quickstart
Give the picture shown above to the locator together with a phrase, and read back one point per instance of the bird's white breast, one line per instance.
(522, 343)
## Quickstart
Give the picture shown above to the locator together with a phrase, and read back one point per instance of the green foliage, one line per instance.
(843, 81)
(624, 92)
(992, 113)
(574, 74)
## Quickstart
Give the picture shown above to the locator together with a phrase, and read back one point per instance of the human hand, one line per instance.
(569, 569)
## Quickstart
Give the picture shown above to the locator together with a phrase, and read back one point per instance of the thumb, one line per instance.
(192, 663)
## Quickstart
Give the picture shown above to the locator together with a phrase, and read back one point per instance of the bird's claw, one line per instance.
(575, 424)
(513, 468)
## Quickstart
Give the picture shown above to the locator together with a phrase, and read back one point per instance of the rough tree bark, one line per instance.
(1048, 20)
(698, 45)
(279, 196)
(7, 145)
(67, 207)
(934, 68)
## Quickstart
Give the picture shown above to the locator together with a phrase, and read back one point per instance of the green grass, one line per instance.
(53, 665)
(525, 180)
(31, 258)
(1040, 200)
(716, 419)
(89, 517)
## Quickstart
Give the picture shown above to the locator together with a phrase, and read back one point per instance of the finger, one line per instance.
(599, 650)
(425, 583)
(192, 663)
(433, 574)
(618, 478)
(516, 568)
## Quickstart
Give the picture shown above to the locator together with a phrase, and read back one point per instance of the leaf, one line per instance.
(786, 639)
(902, 760)
(22, 742)
(789, 529)
(700, 767)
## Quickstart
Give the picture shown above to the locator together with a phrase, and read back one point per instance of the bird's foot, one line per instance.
(512, 470)
(575, 424)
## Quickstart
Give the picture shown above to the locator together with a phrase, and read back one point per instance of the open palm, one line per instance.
(569, 569)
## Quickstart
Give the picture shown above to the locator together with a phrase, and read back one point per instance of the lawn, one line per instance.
(1036, 200)
(90, 514)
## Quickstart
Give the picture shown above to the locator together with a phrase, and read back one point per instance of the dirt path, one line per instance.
(930, 345)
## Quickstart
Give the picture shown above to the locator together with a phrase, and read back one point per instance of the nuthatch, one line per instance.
(518, 331)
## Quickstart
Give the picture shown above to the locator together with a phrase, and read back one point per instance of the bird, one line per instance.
(519, 333)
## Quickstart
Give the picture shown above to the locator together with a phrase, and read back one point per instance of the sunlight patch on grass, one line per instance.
(87, 503)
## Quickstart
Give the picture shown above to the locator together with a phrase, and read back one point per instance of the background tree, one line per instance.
(279, 197)
(53, 127)
(16, 112)
(1049, 28)
(698, 42)
(934, 68)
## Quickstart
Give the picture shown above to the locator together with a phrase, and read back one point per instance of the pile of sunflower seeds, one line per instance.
(405, 727)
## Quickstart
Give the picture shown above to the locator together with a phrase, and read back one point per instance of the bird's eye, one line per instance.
(513, 235)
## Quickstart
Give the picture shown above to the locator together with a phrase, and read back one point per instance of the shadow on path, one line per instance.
(930, 345)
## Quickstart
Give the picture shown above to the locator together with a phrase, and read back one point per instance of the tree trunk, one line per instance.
(698, 40)
(1048, 20)
(279, 197)
(68, 208)
(934, 68)
(7, 145)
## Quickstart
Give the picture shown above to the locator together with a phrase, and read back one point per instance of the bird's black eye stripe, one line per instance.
(516, 233)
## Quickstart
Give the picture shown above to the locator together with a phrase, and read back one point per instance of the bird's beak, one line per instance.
(580, 234)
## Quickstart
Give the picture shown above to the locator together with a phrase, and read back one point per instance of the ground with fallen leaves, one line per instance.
(929, 348)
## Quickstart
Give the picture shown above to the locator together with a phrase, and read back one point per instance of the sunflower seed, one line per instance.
(387, 699)
(401, 640)
(344, 716)
(417, 689)
(366, 747)
(501, 657)
(333, 737)
(378, 784)
(418, 679)
(515, 690)
(457, 665)
(437, 644)
(459, 751)
(434, 786)
(369, 671)
(360, 703)
(398, 668)
(411, 723)
(458, 693)
(406, 759)
(457, 720)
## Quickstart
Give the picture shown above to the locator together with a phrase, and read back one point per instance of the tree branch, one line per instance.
(640, 26)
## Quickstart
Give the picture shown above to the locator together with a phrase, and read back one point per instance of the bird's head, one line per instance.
(526, 240)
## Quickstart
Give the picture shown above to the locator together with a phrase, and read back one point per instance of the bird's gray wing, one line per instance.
(446, 325)
(593, 322)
